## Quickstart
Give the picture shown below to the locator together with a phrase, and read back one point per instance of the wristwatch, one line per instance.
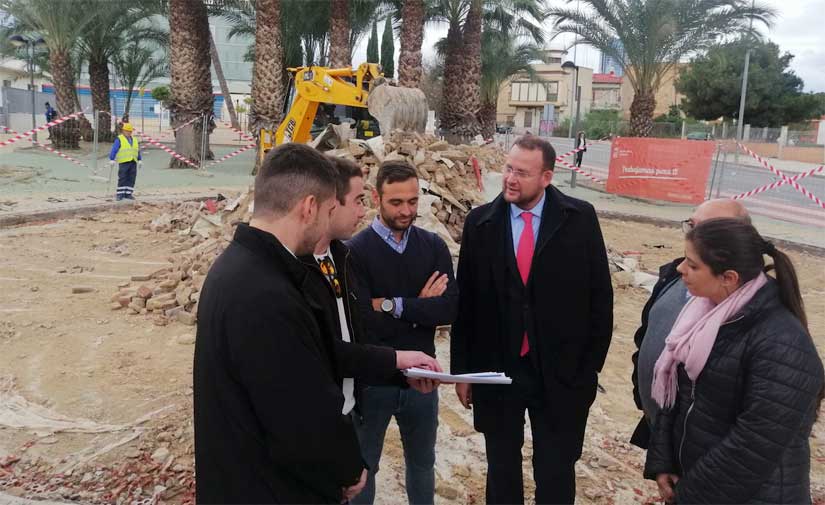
(388, 306)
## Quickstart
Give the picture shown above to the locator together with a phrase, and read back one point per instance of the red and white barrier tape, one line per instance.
(172, 153)
(232, 154)
(776, 184)
(579, 170)
(50, 149)
(40, 128)
(157, 143)
(788, 180)
(239, 132)
(574, 151)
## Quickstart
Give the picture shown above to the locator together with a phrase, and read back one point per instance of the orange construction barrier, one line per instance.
(660, 169)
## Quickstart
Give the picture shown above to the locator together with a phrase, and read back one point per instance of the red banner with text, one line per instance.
(660, 169)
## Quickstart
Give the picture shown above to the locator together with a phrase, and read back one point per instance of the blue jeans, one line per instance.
(417, 418)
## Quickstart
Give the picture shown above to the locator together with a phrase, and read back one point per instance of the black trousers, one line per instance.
(557, 444)
(578, 159)
(126, 176)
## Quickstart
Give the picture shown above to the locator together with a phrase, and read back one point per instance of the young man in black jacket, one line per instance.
(406, 289)
(660, 312)
(332, 264)
(268, 422)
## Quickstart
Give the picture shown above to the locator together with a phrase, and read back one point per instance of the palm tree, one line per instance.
(191, 77)
(462, 53)
(413, 15)
(61, 25)
(136, 66)
(339, 34)
(654, 36)
(268, 90)
(116, 23)
(501, 59)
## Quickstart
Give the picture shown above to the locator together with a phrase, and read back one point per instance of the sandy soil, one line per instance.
(68, 358)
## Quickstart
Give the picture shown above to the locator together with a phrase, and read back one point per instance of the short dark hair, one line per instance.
(290, 173)
(392, 172)
(345, 170)
(531, 143)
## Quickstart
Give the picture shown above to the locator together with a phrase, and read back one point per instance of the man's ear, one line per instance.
(546, 177)
(308, 208)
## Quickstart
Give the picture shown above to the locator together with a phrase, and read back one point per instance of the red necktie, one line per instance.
(524, 257)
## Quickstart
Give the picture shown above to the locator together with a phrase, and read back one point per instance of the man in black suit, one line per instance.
(269, 426)
(537, 303)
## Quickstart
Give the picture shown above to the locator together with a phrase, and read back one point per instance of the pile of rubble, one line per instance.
(204, 230)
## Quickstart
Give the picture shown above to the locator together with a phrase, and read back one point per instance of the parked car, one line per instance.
(504, 128)
(699, 136)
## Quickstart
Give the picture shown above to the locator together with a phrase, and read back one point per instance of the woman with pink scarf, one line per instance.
(739, 382)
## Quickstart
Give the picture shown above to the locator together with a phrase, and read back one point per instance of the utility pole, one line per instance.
(740, 123)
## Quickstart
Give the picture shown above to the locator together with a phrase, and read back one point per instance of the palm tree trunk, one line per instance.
(462, 77)
(412, 36)
(191, 77)
(99, 83)
(339, 55)
(450, 113)
(227, 97)
(268, 88)
(641, 113)
(65, 135)
(488, 119)
(469, 125)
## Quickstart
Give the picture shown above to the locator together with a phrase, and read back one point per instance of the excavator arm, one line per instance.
(343, 86)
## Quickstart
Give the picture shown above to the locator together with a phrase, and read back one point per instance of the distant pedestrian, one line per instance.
(51, 114)
(126, 153)
(581, 141)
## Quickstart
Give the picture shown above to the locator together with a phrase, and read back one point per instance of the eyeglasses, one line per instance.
(687, 225)
(518, 174)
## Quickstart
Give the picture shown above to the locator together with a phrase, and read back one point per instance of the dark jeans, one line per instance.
(126, 176)
(417, 418)
(578, 159)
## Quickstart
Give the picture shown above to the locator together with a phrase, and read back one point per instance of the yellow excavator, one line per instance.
(365, 87)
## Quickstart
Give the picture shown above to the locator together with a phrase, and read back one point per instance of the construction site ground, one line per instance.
(103, 400)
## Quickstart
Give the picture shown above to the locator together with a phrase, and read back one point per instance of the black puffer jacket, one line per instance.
(740, 433)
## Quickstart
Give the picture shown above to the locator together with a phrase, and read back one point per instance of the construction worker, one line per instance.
(126, 153)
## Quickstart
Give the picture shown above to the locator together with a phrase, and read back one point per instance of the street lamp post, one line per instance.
(567, 65)
(31, 45)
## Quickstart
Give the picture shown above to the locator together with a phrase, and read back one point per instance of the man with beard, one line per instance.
(358, 363)
(406, 289)
(537, 304)
(268, 421)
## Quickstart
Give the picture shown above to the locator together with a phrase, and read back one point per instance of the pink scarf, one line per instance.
(692, 338)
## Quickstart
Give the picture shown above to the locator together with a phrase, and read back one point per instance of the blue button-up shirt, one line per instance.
(517, 223)
(387, 235)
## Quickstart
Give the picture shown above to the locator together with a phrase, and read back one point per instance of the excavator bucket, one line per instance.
(398, 108)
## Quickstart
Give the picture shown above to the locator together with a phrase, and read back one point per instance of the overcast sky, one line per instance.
(798, 29)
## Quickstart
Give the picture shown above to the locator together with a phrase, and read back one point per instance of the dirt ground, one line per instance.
(102, 400)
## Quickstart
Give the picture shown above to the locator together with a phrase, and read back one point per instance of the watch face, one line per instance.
(386, 305)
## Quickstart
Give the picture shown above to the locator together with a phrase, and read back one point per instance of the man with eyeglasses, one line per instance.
(660, 312)
(535, 302)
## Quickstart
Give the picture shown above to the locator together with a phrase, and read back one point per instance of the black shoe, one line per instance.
(129, 197)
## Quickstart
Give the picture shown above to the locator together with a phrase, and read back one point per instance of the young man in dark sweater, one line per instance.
(406, 289)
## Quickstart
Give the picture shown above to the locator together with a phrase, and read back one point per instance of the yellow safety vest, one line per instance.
(127, 152)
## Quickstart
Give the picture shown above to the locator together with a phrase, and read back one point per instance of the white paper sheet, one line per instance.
(468, 378)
